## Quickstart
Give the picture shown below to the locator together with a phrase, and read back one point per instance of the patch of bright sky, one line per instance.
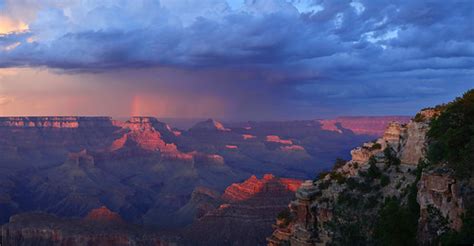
(303, 6)
(338, 20)
(234, 4)
(370, 36)
(306, 6)
(358, 7)
(386, 36)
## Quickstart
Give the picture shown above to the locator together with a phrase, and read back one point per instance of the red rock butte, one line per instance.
(103, 214)
(253, 187)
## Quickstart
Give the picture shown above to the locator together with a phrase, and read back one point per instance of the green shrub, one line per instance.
(284, 216)
(384, 180)
(390, 157)
(396, 225)
(321, 176)
(339, 163)
(375, 147)
(466, 235)
(352, 183)
(347, 199)
(373, 172)
(323, 185)
(371, 202)
(339, 177)
(350, 234)
(451, 135)
(419, 118)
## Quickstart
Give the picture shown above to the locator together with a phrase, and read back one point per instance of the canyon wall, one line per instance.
(381, 174)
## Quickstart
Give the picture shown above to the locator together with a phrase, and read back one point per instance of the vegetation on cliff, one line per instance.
(395, 193)
(396, 224)
(452, 135)
(452, 142)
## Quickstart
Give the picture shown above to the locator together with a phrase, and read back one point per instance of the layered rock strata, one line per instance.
(325, 207)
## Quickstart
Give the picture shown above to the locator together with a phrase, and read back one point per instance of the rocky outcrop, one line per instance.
(414, 144)
(394, 133)
(362, 154)
(407, 141)
(246, 214)
(104, 215)
(324, 208)
(142, 132)
(277, 139)
(441, 203)
(303, 233)
(253, 186)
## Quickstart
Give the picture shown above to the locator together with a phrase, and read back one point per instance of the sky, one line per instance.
(234, 59)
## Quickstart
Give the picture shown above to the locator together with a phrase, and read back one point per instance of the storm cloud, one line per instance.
(306, 56)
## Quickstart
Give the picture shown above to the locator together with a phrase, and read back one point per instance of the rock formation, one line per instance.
(104, 215)
(441, 203)
(150, 173)
(277, 139)
(253, 186)
(209, 125)
(351, 195)
(246, 213)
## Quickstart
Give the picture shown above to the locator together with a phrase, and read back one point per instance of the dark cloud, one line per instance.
(303, 53)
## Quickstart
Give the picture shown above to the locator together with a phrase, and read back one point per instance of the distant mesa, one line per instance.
(368, 125)
(248, 136)
(56, 122)
(277, 139)
(147, 133)
(291, 148)
(209, 125)
(103, 214)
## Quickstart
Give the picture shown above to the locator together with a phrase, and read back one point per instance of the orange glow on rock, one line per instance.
(248, 136)
(254, 186)
(290, 148)
(277, 139)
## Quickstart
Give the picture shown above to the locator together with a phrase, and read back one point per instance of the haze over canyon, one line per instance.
(236, 122)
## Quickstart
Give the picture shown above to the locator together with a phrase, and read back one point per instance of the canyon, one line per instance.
(151, 174)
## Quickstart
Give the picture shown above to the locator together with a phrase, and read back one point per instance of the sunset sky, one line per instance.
(235, 59)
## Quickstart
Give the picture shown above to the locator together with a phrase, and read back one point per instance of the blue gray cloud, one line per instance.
(309, 53)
